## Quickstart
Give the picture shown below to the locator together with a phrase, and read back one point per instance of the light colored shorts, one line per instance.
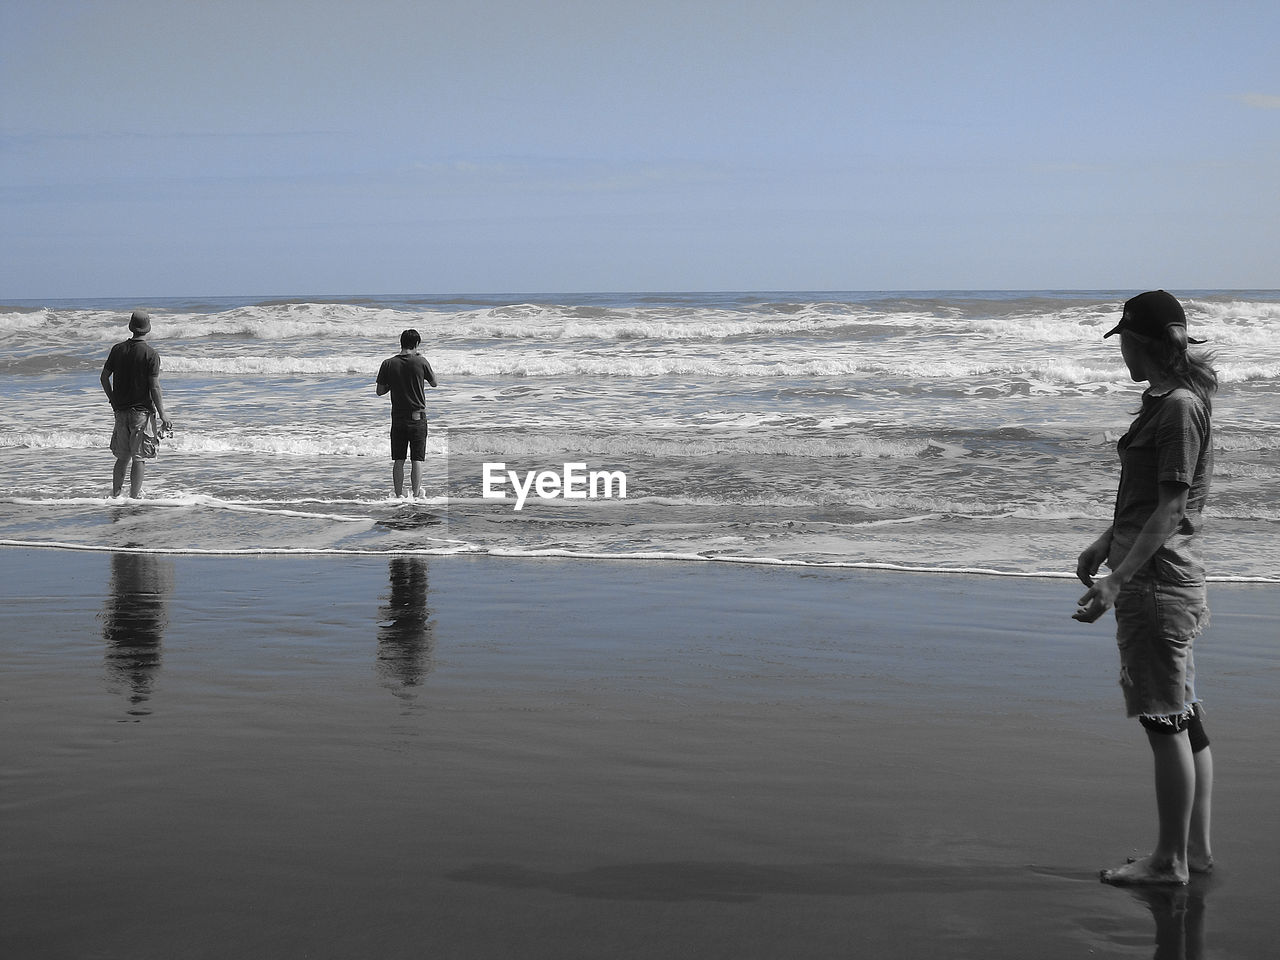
(1155, 625)
(128, 432)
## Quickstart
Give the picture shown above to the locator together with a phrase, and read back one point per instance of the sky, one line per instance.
(295, 147)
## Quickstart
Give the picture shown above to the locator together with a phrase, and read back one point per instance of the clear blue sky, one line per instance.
(229, 147)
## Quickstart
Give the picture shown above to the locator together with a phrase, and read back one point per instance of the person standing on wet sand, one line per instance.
(404, 376)
(131, 380)
(1157, 580)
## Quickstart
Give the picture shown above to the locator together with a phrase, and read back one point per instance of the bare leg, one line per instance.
(117, 475)
(397, 477)
(415, 476)
(1175, 796)
(1199, 850)
(136, 474)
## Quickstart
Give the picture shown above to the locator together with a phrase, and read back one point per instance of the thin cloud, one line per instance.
(568, 175)
(1260, 101)
(1070, 167)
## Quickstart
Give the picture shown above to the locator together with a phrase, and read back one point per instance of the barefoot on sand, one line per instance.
(1195, 863)
(1200, 864)
(1146, 871)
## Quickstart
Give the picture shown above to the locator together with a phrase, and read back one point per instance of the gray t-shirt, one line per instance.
(1170, 442)
(405, 374)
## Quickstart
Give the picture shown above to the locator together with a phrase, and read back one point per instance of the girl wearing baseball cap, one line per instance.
(1156, 582)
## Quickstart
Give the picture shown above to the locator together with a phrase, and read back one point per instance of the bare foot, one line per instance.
(1146, 871)
(1195, 863)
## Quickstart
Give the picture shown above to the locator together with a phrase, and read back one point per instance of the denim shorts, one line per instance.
(1156, 623)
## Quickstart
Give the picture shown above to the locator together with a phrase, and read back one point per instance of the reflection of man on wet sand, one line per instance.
(133, 621)
(405, 630)
(131, 380)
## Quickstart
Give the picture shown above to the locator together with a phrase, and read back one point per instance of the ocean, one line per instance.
(942, 430)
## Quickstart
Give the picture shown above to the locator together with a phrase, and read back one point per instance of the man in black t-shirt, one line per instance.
(131, 380)
(404, 376)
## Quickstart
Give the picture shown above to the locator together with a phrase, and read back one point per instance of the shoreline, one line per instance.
(564, 554)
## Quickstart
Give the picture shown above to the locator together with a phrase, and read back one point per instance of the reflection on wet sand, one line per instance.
(743, 882)
(405, 640)
(133, 621)
(1179, 916)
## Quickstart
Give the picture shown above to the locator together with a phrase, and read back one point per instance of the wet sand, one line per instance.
(478, 757)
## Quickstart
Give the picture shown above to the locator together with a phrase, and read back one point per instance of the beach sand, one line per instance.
(390, 757)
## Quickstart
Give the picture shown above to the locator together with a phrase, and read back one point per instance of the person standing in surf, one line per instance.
(1157, 578)
(404, 376)
(131, 380)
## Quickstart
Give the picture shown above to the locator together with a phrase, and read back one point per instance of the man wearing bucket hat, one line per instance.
(131, 380)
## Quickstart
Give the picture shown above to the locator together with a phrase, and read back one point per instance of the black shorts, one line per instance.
(408, 436)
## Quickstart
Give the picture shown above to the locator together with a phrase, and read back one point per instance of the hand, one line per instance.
(166, 425)
(1097, 600)
(1090, 560)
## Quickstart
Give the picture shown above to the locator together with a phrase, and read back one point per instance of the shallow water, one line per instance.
(949, 430)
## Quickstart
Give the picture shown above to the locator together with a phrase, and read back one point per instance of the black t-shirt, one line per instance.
(404, 374)
(132, 364)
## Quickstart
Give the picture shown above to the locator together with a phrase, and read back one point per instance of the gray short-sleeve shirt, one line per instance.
(1169, 442)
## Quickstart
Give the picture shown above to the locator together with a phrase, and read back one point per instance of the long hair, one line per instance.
(1191, 370)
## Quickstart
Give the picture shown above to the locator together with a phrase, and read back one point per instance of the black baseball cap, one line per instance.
(1150, 314)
